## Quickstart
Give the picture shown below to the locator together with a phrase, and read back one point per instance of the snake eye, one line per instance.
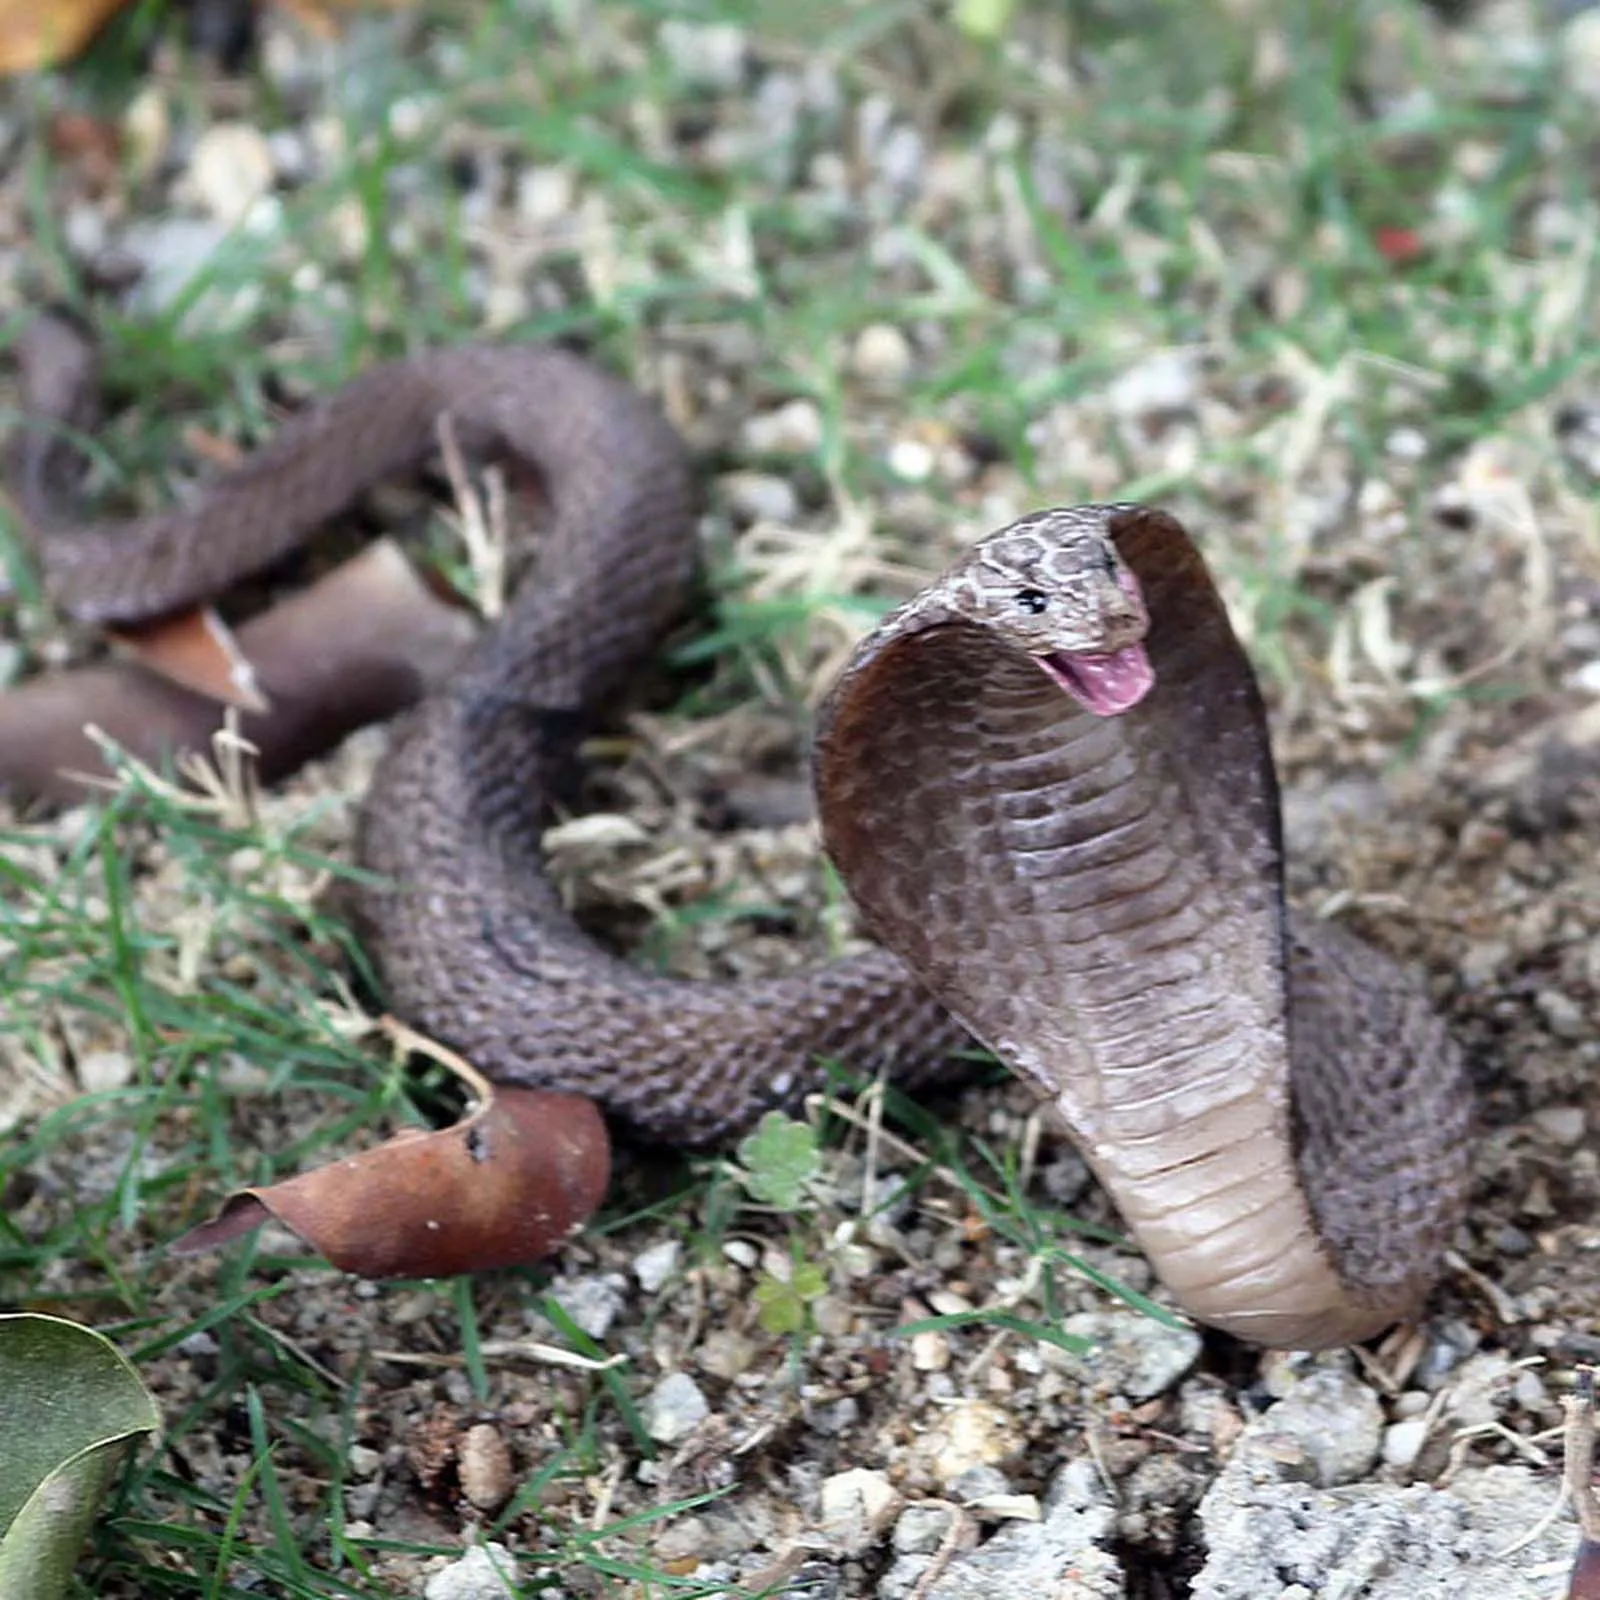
(1034, 601)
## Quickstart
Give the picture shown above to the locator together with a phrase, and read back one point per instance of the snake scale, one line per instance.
(1046, 781)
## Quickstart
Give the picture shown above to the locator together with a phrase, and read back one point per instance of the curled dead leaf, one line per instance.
(360, 645)
(34, 35)
(507, 1185)
(196, 650)
(41, 33)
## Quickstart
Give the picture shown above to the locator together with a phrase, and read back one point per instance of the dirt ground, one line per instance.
(1424, 605)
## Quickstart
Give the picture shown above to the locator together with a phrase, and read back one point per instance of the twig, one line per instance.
(1577, 1484)
(1577, 1474)
(959, 1536)
(483, 529)
(548, 1355)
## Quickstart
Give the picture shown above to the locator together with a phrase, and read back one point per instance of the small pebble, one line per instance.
(760, 497)
(857, 1507)
(687, 1539)
(675, 1408)
(1563, 1015)
(593, 1302)
(921, 1529)
(290, 158)
(725, 1353)
(1134, 1355)
(230, 169)
(930, 1351)
(911, 459)
(1580, 55)
(1407, 444)
(170, 250)
(832, 1420)
(881, 357)
(705, 55)
(1529, 1391)
(653, 1267)
(794, 429)
(976, 1434)
(147, 130)
(981, 1483)
(102, 1070)
(1164, 384)
(1566, 1125)
(408, 116)
(1403, 1441)
(485, 1572)
(544, 195)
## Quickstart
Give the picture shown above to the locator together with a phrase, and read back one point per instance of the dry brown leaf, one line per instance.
(90, 145)
(322, 16)
(39, 33)
(43, 33)
(195, 650)
(359, 645)
(509, 1184)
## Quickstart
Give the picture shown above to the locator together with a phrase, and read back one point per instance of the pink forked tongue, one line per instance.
(1106, 683)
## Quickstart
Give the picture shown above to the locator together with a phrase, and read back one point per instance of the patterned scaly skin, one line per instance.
(1274, 1107)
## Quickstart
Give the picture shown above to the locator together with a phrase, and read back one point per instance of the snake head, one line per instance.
(1055, 586)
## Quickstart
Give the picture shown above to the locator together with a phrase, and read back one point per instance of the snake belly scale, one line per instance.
(1046, 781)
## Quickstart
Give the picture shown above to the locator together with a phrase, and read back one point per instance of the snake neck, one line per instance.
(1100, 901)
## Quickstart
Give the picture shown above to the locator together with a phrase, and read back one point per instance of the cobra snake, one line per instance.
(1046, 781)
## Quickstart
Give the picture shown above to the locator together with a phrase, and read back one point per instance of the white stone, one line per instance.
(881, 357)
(675, 1408)
(1403, 1441)
(544, 195)
(485, 1572)
(760, 497)
(794, 429)
(102, 1070)
(912, 460)
(1580, 55)
(930, 1351)
(654, 1266)
(230, 169)
(857, 1506)
(1161, 385)
(592, 1302)
(706, 55)
(976, 1434)
(1132, 1355)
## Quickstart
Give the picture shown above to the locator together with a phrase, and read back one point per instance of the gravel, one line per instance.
(1424, 602)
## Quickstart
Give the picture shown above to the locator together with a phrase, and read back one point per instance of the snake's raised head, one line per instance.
(1055, 586)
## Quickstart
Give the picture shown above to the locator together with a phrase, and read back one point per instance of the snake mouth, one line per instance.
(1104, 682)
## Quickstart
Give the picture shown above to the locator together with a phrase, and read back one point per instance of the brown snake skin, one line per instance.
(1272, 1105)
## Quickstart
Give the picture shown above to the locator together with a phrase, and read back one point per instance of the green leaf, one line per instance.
(779, 1159)
(984, 19)
(781, 1310)
(1072, 1343)
(783, 1302)
(808, 1280)
(70, 1407)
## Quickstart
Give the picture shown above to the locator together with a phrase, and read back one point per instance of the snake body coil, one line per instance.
(1080, 867)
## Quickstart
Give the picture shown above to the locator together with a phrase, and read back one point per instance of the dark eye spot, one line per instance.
(1033, 601)
(1108, 561)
